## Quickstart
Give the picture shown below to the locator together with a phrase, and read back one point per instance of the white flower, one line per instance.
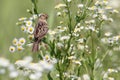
(35, 76)
(111, 78)
(52, 32)
(77, 30)
(59, 6)
(11, 67)
(92, 8)
(23, 28)
(72, 57)
(81, 47)
(76, 62)
(45, 65)
(35, 67)
(20, 48)
(28, 59)
(22, 18)
(60, 45)
(108, 34)
(115, 11)
(86, 77)
(30, 37)
(112, 70)
(15, 41)
(59, 13)
(12, 49)
(64, 38)
(28, 23)
(104, 17)
(91, 28)
(104, 40)
(22, 64)
(4, 62)
(30, 30)
(95, 15)
(34, 16)
(110, 19)
(81, 40)
(69, 0)
(80, 5)
(46, 58)
(13, 74)
(22, 41)
(53, 61)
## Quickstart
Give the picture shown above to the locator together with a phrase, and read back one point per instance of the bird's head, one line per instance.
(43, 16)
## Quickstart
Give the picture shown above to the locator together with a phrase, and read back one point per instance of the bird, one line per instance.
(40, 31)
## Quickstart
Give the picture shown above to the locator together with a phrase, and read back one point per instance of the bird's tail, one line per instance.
(35, 47)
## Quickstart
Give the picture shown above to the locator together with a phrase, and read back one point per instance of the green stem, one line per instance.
(105, 55)
(92, 58)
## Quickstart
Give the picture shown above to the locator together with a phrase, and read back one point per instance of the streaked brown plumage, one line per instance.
(40, 31)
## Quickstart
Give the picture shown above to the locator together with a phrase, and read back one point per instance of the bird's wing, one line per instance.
(41, 30)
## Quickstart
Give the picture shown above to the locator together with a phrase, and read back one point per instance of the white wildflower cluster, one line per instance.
(27, 25)
(112, 41)
(7, 68)
(61, 9)
(107, 74)
(69, 76)
(34, 70)
(102, 10)
(17, 45)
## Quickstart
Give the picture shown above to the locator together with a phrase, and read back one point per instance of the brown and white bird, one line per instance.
(40, 31)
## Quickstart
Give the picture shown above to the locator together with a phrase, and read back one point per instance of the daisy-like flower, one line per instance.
(47, 57)
(112, 70)
(22, 18)
(20, 48)
(92, 8)
(72, 57)
(34, 16)
(30, 30)
(22, 41)
(59, 6)
(59, 13)
(23, 28)
(22, 64)
(45, 65)
(13, 74)
(30, 37)
(76, 62)
(69, 0)
(28, 23)
(35, 76)
(107, 34)
(86, 77)
(80, 5)
(81, 40)
(111, 78)
(15, 41)
(64, 38)
(4, 62)
(35, 67)
(12, 49)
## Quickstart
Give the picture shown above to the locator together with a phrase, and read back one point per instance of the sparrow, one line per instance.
(40, 31)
